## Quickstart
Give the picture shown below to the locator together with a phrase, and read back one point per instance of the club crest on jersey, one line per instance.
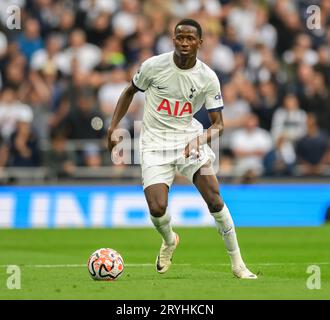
(192, 89)
(175, 110)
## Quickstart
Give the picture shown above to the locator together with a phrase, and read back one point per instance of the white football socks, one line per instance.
(163, 226)
(226, 228)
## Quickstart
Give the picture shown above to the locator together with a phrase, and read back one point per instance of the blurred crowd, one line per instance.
(63, 71)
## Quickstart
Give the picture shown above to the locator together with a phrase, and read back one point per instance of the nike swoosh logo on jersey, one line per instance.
(160, 88)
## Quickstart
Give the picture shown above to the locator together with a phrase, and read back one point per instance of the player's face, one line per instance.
(186, 41)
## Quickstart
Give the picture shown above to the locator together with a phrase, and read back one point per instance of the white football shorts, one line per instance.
(157, 168)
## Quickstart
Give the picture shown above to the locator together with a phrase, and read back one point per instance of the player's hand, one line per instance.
(111, 141)
(192, 149)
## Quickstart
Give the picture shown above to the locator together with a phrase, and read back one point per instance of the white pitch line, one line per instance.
(175, 264)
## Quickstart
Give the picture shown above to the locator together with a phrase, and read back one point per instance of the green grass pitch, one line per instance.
(53, 264)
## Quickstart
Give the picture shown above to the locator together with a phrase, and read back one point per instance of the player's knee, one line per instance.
(157, 209)
(215, 203)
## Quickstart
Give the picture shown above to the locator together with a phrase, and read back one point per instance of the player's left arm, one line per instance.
(214, 106)
(216, 128)
(213, 132)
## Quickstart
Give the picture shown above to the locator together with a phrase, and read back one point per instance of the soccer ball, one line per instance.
(105, 264)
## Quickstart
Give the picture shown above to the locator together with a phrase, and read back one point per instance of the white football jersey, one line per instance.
(172, 97)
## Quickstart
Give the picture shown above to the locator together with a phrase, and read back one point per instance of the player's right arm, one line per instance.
(121, 109)
(140, 82)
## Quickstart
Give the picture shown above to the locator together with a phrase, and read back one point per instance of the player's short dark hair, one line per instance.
(190, 22)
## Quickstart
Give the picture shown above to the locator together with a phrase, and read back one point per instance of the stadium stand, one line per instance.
(62, 72)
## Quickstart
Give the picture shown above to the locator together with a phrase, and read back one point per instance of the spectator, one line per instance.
(323, 64)
(60, 160)
(24, 148)
(192, 7)
(3, 45)
(217, 54)
(242, 18)
(15, 71)
(79, 123)
(249, 145)
(313, 149)
(281, 159)
(301, 52)
(245, 88)
(158, 18)
(262, 65)
(92, 8)
(11, 111)
(234, 113)
(125, 20)
(301, 82)
(80, 54)
(58, 115)
(229, 38)
(67, 22)
(108, 97)
(99, 29)
(92, 157)
(47, 13)
(47, 59)
(4, 154)
(264, 32)
(316, 99)
(285, 18)
(164, 41)
(112, 55)
(139, 42)
(30, 40)
(267, 104)
(289, 120)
